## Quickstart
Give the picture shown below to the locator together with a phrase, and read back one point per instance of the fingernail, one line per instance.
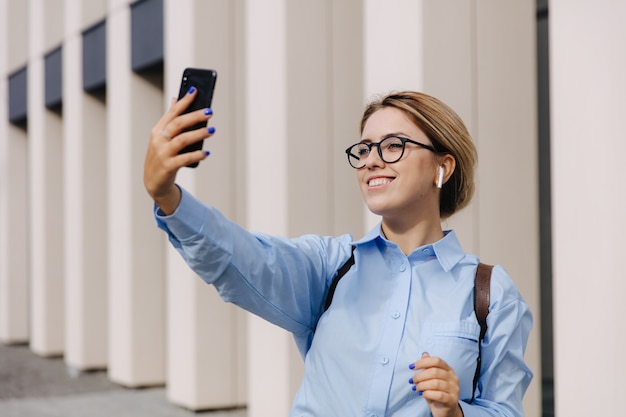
(411, 381)
(412, 366)
(211, 130)
(420, 393)
(414, 388)
(192, 89)
(207, 153)
(208, 112)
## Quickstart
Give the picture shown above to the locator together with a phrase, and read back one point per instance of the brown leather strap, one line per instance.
(482, 284)
(481, 295)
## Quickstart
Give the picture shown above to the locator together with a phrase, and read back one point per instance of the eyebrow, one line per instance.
(388, 135)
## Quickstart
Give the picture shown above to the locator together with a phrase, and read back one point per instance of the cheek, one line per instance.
(427, 173)
(419, 176)
(360, 176)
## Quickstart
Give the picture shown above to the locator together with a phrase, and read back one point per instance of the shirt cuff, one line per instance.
(188, 218)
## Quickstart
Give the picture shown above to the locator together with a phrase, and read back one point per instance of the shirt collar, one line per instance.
(448, 249)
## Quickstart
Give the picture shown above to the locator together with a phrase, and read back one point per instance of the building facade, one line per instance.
(85, 273)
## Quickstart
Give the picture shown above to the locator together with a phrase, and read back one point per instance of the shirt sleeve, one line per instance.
(281, 280)
(504, 376)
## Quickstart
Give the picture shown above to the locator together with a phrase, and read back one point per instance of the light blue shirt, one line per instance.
(386, 311)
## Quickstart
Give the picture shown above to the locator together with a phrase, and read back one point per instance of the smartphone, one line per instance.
(204, 81)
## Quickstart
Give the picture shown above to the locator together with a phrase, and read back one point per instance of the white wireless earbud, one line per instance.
(440, 179)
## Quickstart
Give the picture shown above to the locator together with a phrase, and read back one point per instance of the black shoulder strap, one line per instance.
(340, 273)
(482, 284)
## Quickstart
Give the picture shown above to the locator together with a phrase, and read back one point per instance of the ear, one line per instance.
(447, 165)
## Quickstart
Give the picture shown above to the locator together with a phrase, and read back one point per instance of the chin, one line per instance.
(376, 209)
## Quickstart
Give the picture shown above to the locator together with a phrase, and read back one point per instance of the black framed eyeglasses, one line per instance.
(390, 150)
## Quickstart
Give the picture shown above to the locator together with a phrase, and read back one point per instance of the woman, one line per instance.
(400, 337)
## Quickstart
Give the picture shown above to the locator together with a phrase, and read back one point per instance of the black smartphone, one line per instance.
(204, 81)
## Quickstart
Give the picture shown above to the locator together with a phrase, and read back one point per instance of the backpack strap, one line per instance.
(340, 273)
(482, 284)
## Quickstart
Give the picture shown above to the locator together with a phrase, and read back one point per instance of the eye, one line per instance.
(392, 145)
(362, 150)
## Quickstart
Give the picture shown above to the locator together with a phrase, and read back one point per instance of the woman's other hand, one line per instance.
(166, 141)
(438, 384)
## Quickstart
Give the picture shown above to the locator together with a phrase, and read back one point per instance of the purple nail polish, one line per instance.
(412, 366)
(191, 90)
(211, 130)
(208, 112)
(207, 153)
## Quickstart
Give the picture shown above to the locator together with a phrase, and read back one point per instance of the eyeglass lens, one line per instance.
(390, 150)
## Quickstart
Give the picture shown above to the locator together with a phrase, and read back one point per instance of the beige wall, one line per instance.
(291, 74)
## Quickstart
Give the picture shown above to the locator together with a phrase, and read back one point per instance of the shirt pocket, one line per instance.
(456, 342)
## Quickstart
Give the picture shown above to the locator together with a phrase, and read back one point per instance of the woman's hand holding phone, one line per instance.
(167, 139)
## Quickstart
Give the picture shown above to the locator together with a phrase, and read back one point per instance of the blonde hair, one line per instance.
(448, 135)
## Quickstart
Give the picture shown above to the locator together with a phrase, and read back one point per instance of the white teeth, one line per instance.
(379, 181)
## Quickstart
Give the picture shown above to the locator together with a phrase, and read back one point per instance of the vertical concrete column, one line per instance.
(206, 341)
(508, 187)
(308, 43)
(393, 56)
(271, 382)
(587, 89)
(135, 263)
(344, 112)
(393, 53)
(290, 101)
(85, 207)
(14, 301)
(45, 200)
(4, 173)
(450, 73)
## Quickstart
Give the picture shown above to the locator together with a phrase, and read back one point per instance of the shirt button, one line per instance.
(402, 267)
(395, 315)
(384, 360)
(425, 250)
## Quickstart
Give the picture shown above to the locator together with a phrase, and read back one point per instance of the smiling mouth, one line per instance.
(375, 182)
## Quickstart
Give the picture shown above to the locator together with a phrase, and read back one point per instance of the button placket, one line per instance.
(401, 282)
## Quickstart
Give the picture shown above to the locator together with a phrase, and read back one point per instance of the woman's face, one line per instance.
(406, 188)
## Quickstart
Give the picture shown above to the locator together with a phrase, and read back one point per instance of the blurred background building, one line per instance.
(84, 272)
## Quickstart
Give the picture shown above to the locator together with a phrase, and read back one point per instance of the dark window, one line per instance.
(94, 58)
(18, 97)
(147, 36)
(54, 79)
